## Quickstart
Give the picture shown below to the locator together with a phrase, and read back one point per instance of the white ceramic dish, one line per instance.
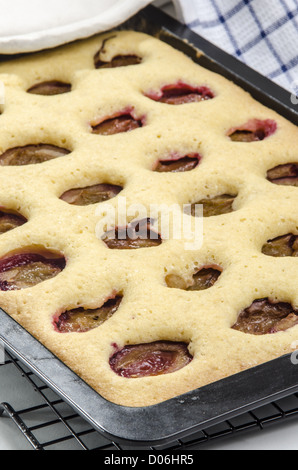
(32, 25)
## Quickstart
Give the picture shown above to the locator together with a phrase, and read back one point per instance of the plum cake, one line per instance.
(142, 319)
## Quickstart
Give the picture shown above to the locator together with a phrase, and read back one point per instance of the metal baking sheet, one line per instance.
(183, 416)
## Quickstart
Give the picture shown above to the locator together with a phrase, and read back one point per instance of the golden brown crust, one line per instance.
(150, 311)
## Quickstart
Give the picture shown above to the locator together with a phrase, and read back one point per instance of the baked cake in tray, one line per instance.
(124, 115)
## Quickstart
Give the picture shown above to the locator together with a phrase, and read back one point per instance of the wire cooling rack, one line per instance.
(51, 424)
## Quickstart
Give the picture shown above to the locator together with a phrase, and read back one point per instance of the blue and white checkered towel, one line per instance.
(261, 33)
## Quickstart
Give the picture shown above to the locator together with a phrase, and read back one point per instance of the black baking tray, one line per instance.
(159, 426)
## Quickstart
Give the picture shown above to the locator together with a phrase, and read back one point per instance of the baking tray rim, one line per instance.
(192, 412)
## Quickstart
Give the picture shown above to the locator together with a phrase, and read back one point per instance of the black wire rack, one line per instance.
(51, 424)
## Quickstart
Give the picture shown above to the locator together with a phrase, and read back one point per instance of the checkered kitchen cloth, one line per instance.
(261, 33)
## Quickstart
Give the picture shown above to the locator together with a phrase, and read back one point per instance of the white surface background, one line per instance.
(16, 390)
